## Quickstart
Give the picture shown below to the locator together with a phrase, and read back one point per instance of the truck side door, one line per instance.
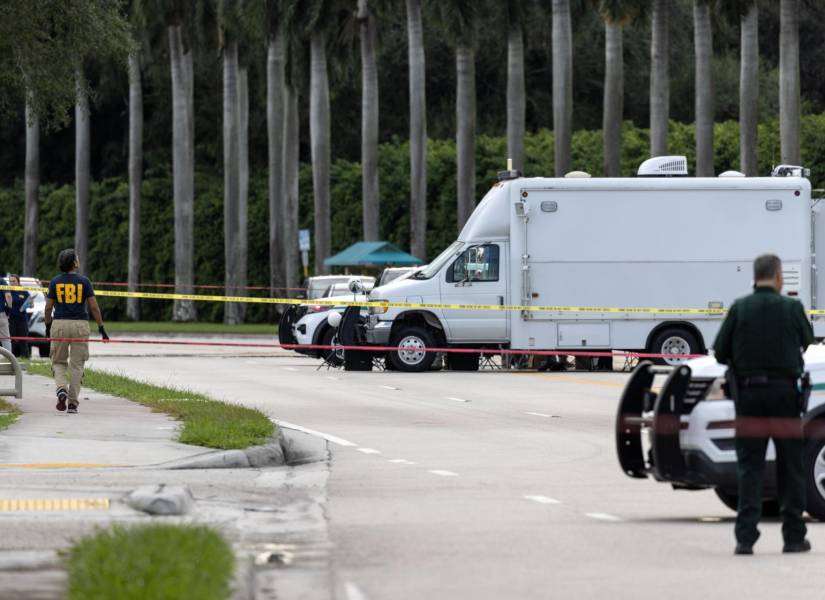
(476, 276)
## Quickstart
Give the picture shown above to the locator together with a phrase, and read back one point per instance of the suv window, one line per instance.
(477, 263)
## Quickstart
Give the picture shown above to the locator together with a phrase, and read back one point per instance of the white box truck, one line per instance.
(661, 241)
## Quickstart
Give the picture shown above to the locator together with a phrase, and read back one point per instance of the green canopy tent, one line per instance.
(372, 254)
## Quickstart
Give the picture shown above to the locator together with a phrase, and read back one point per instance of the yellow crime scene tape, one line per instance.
(335, 302)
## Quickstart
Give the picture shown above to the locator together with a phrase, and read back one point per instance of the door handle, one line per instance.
(501, 300)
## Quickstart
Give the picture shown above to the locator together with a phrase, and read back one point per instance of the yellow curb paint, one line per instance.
(55, 466)
(53, 504)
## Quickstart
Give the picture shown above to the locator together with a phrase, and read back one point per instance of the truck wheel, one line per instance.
(329, 338)
(461, 361)
(674, 340)
(815, 463)
(770, 507)
(412, 342)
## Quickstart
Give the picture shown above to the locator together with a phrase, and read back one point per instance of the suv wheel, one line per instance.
(815, 465)
(412, 356)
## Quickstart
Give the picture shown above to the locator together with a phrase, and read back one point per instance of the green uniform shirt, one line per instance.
(764, 334)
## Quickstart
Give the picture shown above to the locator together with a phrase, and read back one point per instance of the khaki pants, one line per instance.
(69, 356)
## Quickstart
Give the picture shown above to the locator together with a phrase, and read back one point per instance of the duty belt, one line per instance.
(767, 380)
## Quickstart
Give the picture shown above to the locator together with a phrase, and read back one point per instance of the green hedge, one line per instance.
(109, 204)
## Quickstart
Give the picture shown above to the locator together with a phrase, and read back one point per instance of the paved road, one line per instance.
(490, 485)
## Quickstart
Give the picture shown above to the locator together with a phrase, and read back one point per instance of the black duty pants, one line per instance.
(764, 412)
(19, 328)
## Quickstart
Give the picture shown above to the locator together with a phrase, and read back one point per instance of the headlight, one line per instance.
(376, 308)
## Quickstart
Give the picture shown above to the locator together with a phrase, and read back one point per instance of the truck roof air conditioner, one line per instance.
(731, 174)
(664, 166)
(577, 175)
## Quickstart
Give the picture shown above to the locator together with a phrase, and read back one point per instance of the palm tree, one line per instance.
(369, 122)
(516, 94)
(243, 186)
(289, 195)
(789, 111)
(659, 78)
(135, 179)
(703, 44)
(616, 14)
(319, 123)
(418, 131)
(82, 165)
(32, 192)
(562, 86)
(459, 20)
(749, 88)
(231, 175)
(275, 119)
(183, 163)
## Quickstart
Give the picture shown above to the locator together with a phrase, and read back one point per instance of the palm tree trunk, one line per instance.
(135, 180)
(183, 130)
(465, 110)
(231, 178)
(789, 112)
(562, 86)
(659, 78)
(418, 131)
(243, 188)
(613, 114)
(275, 119)
(516, 96)
(32, 175)
(369, 123)
(703, 44)
(319, 142)
(289, 194)
(749, 91)
(82, 165)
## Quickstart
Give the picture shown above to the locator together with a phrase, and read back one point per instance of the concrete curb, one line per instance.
(290, 447)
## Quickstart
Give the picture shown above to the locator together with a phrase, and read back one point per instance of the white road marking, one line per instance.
(320, 434)
(353, 593)
(401, 461)
(369, 451)
(388, 387)
(334, 378)
(542, 499)
(456, 399)
(535, 414)
(443, 473)
(600, 516)
(290, 369)
(165, 427)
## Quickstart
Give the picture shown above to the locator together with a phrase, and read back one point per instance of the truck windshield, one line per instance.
(435, 266)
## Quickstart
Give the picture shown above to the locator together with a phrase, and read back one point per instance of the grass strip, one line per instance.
(192, 328)
(8, 414)
(169, 562)
(205, 421)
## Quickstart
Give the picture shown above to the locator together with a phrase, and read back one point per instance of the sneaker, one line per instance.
(72, 409)
(743, 549)
(803, 546)
(62, 397)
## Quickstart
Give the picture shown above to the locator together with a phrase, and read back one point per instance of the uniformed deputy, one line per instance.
(19, 318)
(761, 341)
(69, 295)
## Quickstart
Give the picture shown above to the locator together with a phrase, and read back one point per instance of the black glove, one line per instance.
(102, 331)
(48, 330)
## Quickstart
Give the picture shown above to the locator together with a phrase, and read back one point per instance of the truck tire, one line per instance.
(462, 361)
(815, 469)
(674, 340)
(329, 338)
(770, 507)
(412, 357)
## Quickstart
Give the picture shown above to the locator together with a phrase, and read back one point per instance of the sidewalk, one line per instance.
(107, 431)
(63, 476)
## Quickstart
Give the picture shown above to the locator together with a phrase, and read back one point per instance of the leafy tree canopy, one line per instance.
(43, 41)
